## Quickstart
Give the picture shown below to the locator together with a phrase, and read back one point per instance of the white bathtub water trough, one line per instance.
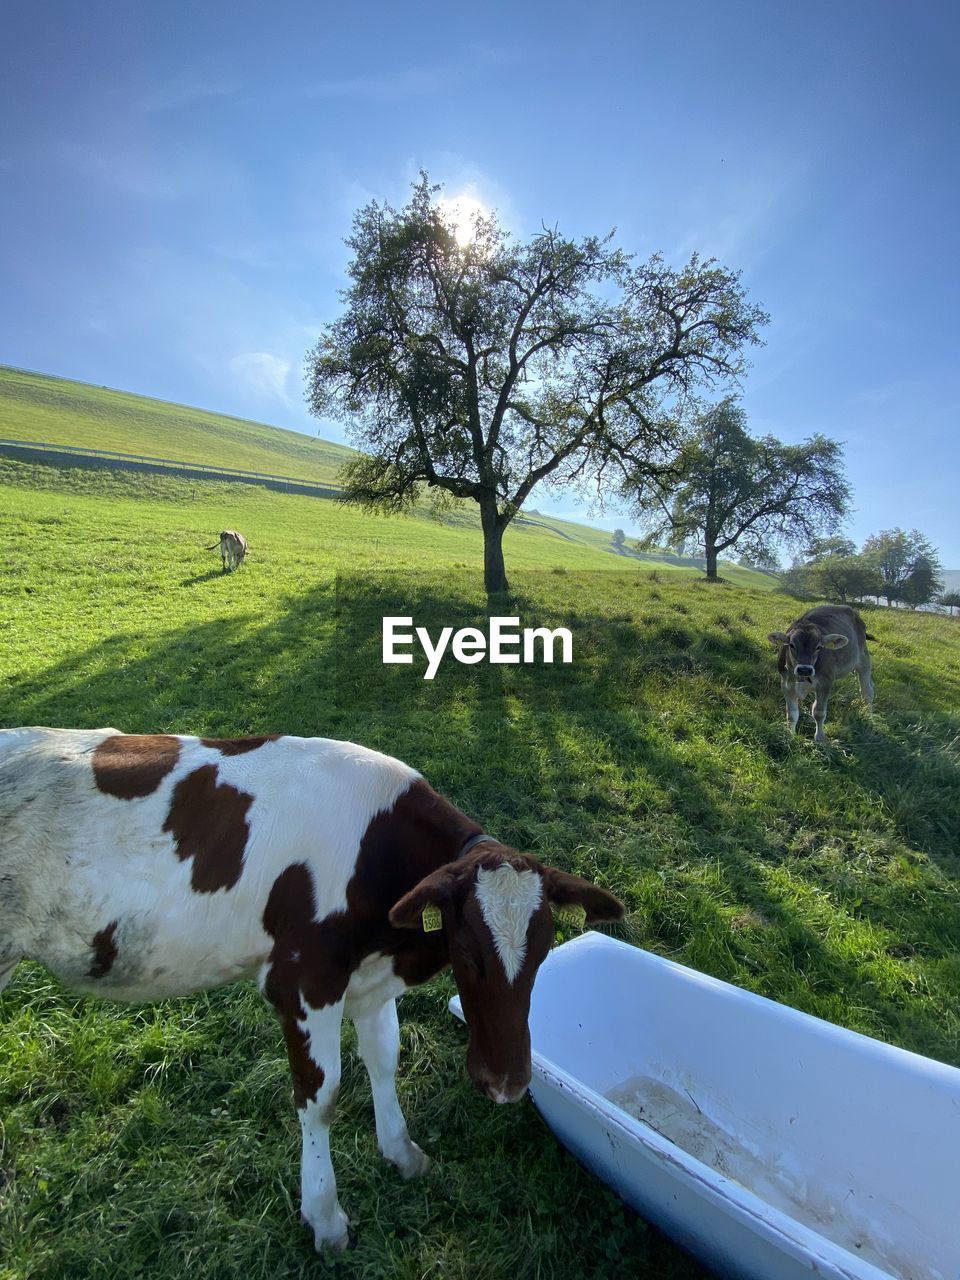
(773, 1145)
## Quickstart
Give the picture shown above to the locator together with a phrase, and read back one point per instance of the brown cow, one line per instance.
(142, 866)
(826, 643)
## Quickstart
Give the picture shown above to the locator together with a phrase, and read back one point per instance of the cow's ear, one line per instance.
(778, 637)
(566, 890)
(834, 641)
(433, 890)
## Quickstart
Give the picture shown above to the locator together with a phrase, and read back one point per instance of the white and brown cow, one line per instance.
(233, 547)
(826, 643)
(145, 866)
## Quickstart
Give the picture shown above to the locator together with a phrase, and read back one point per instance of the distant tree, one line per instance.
(908, 566)
(797, 580)
(820, 548)
(727, 489)
(480, 369)
(924, 583)
(844, 577)
(950, 600)
(618, 539)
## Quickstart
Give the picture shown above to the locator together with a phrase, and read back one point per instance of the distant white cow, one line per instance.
(233, 547)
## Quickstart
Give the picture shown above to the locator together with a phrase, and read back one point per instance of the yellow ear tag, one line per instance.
(432, 919)
(575, 915)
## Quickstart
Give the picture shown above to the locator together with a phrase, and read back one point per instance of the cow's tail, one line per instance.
(213, 548)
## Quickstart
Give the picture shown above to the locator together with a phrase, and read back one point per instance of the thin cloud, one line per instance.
(185, 92)
(740, 218)
(414, 82)
(263, 374)
(411, 83)
(151, 175)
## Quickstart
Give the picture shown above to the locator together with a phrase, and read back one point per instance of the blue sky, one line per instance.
(176, 181)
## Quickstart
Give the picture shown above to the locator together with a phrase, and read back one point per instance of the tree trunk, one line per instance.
(712, 564)
(494, 571)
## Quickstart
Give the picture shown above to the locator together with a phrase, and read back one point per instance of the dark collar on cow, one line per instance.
(475, 840)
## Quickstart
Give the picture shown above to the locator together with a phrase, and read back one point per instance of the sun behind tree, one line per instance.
(462, 213)
(479, 367)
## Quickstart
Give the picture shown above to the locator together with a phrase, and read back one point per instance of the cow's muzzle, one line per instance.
(502, 1083)
(804, 671)
(504, 1089)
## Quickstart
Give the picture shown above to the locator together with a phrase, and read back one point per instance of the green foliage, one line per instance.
(844, 577)
(163, 1139)
(909, 568)
(725, 490)
(483, 368)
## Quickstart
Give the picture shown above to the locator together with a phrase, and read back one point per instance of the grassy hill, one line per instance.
(149, 1140)
(36, 406)
(57, 411)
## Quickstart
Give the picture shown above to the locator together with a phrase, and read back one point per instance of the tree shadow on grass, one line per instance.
(635, 766)
(656, 754)
(579, 765)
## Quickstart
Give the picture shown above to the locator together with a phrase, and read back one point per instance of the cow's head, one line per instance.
(801, 647)
(495, 910)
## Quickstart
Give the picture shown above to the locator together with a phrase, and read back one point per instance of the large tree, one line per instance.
(479, 369)
(726, 490)
(908, 566)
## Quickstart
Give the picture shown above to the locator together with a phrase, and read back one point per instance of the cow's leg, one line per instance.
(819, 713)
(378, 1038)
(793, 704)
(865, 675)
(6, 971)
(313, 1046)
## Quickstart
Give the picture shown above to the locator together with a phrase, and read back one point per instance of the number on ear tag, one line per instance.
(575, 915)
(432, 919)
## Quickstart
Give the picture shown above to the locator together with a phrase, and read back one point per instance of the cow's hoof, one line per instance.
(333, 1236)
(416, 1165)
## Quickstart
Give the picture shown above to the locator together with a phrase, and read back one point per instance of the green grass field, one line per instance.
(163, 1139)
(51, 410)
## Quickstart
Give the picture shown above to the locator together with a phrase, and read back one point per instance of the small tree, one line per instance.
(480, 369)
(844, 577)
(950, 600)
(726, 489)
(923, 583)
(907, 564)
(618, 539)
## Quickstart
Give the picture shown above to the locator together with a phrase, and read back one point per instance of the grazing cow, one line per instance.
(826, 643)
(146, 866)
(233, 547)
